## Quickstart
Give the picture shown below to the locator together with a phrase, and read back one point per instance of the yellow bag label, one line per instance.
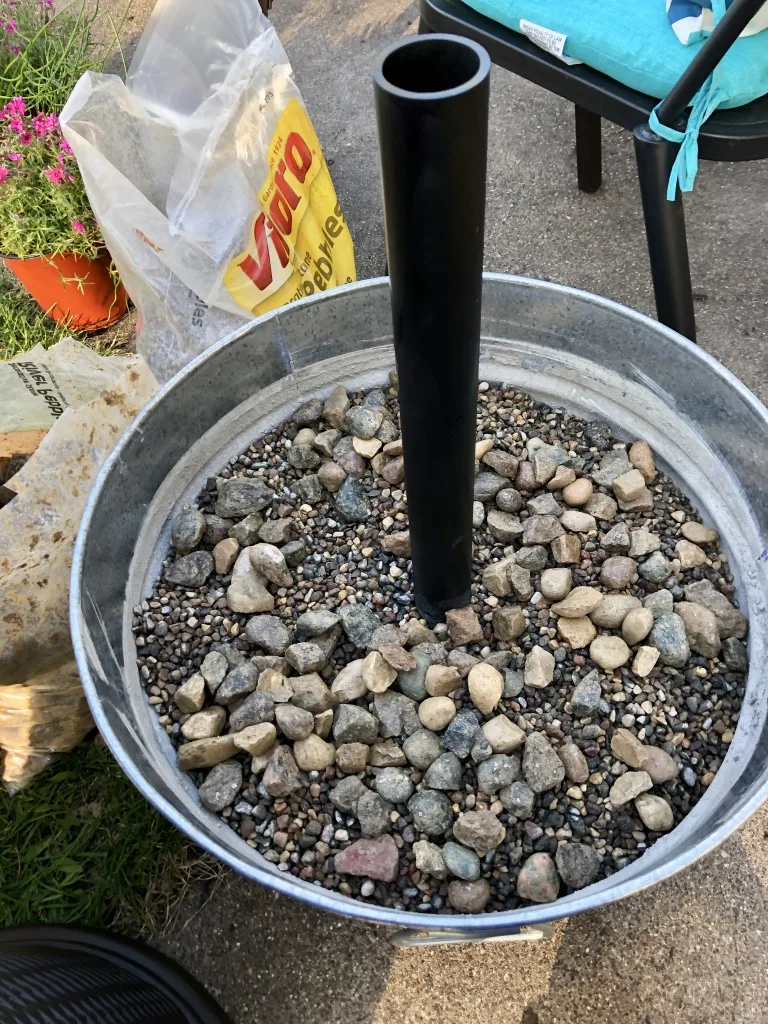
(299, 242)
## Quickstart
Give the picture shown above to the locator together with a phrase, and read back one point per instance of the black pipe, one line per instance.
(431, 95)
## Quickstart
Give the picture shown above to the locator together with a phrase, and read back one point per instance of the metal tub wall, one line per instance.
(573, 349)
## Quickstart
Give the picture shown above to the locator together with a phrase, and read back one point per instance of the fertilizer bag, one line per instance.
(207, 178)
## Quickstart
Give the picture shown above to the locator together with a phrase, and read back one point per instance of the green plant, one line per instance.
(44, 51)
(43, 205)
(23, 324)
(82, 846)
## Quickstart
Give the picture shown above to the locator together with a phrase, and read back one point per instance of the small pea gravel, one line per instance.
(424, 769)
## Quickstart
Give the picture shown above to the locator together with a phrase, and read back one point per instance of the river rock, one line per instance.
(586, 696)
(370, 858)
(503, 736)
(637, 625)
(462, 662)
(659, 603)
(578, 522)
(359, 623)
(436, 712)
(431, 812)
(697, 533)
(429, 859)
(612, 465)
(555, 584)
(203, 724)
(485, 685)
(352, 758)
(579, 602)
(238, 682)
(509, 500)
(641, 457)
(578, 633)
(257, 708)
(564, 475)
(577, 864)
(574, 762)
(481, 831)
(190, 696)
(221, 786)
(441, 680)
(645, 660)
(190, 570)
(422, 748)
(730, 621)
(394, 785)
(609, 652)
(668, 636)
(349, 685)
(502, 463)
(461, 862)
(378, 674)
(539, 668)
(240, 496)
(617, 540)
(353, 724)
(504, 526)
(655, 813)
(444, 773)
(518, 799)
(293, 722)
(247, 592)
(700, 627)
(313, 754)
(618, 572)
(538, 880)
(542, 768)
(346, 794)
(412, 683)
(629, 786)
(373, 814)
(508, 623)
(268, 633)
(464, 626)
(496, 773)
(690, 555)
(734, 655)
(656, 568)
(469, 897)
(533, 557)
(352, 502)
(488, 485)
(363, 421)
(281, 776)
(461, 734)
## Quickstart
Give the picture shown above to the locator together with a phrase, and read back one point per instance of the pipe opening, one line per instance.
(430, 65)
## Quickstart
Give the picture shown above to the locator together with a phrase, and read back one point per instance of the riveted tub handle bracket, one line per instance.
(424, 937)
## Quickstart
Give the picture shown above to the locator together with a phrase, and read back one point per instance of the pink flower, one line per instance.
(10, 26)
(54, 175)
(78, 227)
(14, 50)
(16, 124)
(14, 108)
(3, 174)
(65, 146)
(44, 124)
(14, 156)
(26, 138)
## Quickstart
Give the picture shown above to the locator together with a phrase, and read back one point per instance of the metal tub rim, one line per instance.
(472, 926)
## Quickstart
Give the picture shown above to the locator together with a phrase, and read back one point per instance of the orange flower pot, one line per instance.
(73, 290)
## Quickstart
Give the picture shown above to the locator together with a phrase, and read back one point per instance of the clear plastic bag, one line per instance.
(207, 178)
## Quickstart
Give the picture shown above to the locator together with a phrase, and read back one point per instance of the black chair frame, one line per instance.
(729, 135)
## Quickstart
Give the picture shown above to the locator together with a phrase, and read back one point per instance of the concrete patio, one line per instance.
(692, 949)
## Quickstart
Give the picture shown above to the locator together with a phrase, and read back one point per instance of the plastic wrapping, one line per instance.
(207, 178)
(42, 707)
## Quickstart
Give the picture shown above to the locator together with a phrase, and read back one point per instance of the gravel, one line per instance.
(576, 710)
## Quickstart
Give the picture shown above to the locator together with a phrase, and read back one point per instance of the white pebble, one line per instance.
(367, 888)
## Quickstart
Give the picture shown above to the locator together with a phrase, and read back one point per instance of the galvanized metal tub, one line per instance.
(573, 349)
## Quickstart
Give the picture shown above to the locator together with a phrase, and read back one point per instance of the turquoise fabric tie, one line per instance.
(705, 102)
(686, 163)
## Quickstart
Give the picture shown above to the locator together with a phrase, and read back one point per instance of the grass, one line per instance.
(80, 845)
(23, 324)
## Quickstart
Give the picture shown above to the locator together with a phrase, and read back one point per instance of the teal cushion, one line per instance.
(632, 42)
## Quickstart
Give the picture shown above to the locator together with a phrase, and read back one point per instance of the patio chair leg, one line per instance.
(589, 164)
(665, 231)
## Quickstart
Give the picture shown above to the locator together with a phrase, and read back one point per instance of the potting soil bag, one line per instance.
(207, 178)
(43, 710)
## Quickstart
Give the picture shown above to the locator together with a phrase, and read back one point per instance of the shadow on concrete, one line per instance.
(267, 958)
(689, 951)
